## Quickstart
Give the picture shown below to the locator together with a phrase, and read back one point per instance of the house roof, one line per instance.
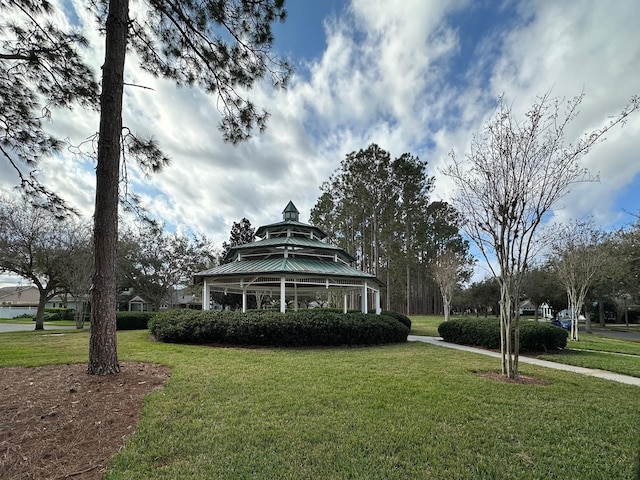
(20, 295)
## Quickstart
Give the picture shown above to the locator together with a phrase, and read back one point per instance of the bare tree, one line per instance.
(578, 258)
(75, 279)
(512, 176)
(448, 269)
(35, 245)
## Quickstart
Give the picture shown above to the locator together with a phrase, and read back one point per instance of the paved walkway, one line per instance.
(28, 327)
(592, 372)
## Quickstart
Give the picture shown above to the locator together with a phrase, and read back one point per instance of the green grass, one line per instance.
(604, 353)
(401, 411)
(594, 341)
(426, 325)
(592, 351)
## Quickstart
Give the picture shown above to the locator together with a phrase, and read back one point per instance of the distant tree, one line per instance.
(484, 296)
(155, 263)
(37, 246)
(515, 172)
(241, 233)
(377, 208)
(443, 250)
(449, 269)
(540, 285)
(413, 187)
(75, 279)
(578, 258)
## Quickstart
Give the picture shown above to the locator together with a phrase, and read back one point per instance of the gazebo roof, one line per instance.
(302, 266)
(290, 255)
(304, 243)
(262, 231)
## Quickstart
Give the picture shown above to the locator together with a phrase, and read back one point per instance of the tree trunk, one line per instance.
(42, 301)
(446, 307)
(103, 357)
(601, 311)
(408, 299)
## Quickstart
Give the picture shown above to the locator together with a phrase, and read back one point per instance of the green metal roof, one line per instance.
(306, 267)
(261, 232)
(294, 242)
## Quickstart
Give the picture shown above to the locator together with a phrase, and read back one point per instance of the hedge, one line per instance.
(316, 327)
(58, 313)
(133, 320)
(485, 332)
(401, 317)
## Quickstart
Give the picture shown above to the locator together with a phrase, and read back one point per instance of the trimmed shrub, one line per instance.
(485, 332)
(537, 337)
(401, 317)
(133, 320)
(51, 314)
(316, 327)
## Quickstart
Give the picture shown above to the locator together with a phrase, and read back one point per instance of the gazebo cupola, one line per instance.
(291, 257)
(290, 212)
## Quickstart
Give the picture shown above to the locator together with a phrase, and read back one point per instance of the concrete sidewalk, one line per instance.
(615, 377)
(25, 327)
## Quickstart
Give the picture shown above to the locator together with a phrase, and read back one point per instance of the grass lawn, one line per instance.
(402, 411)
(592, 351)
(597, 351)
(426, 325)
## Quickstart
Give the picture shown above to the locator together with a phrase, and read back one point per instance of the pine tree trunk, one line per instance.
(103, 357)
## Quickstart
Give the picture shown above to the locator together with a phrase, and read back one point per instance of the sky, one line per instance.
(409, 75)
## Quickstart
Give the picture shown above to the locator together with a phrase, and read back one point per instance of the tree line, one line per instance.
(379, 209)
(56, 255)
(586, 271)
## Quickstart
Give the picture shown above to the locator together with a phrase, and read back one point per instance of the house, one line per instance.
(16, 301)
(128, 301)
(18, 296)
(527, 308)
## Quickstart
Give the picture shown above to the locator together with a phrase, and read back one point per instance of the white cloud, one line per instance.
(384, 77)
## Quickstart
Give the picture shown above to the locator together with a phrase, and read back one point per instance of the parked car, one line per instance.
(564, 323)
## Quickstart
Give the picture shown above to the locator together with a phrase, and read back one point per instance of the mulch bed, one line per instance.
(57, 422)
(522, 379)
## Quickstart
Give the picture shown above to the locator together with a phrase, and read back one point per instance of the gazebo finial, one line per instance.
(290, 212)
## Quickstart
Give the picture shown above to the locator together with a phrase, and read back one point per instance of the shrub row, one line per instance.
(485, 332)
(133, 320)
(316, 327)
(59, 313)
(401, 317)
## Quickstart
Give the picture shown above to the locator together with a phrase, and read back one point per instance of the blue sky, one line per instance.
(410, 75)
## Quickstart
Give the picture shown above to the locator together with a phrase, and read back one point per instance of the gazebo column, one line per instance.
(206, 295)
(365, 307)
(244, 300)
(378, 309)
(345, 303)
(295, 297)
(283, 302)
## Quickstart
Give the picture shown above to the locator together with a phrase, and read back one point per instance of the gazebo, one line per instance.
(290, 258)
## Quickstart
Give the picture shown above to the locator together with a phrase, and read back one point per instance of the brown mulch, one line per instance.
(522, 379)
(57, 422)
